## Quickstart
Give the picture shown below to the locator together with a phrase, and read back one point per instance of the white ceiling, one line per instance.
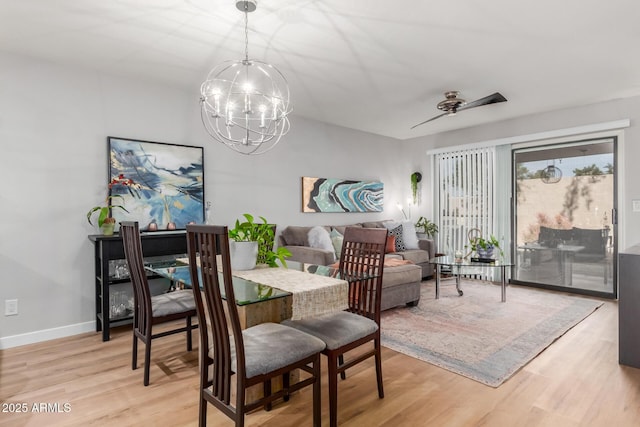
(379, 66)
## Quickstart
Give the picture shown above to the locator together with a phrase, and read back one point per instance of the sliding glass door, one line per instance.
(564, 228)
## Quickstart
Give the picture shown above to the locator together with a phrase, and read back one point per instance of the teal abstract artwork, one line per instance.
(341, 195)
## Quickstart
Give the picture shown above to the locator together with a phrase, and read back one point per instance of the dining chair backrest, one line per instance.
(130, 232)
(362, 256)
(208, 247)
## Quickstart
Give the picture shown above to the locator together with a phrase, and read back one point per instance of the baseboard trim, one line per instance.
(46, 335)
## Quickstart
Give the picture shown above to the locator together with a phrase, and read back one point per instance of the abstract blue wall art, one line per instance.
(168, 183)
(341, 195)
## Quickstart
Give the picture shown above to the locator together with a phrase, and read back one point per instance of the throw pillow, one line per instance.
(336, 240)
(409, 235)
(296, 236)
(397, 233)
(319, 238)
(391, 244)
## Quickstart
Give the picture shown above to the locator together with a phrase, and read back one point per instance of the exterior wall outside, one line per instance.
(538, 197)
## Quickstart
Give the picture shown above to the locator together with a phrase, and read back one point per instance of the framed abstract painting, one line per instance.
(161, 185)
(341, 195)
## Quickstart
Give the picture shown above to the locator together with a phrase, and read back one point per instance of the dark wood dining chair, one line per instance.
(255, 355)
(361, 264)
(152, 310)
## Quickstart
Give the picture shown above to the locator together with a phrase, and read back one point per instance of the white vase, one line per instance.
(243, 255)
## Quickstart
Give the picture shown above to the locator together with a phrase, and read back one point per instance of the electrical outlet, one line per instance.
(10, 307)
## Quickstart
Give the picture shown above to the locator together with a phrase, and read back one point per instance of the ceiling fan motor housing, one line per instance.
(452, 103)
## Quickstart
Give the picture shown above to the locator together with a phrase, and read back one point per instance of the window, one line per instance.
(465, 198)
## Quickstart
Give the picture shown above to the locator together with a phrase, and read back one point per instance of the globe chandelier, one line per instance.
(245, 103)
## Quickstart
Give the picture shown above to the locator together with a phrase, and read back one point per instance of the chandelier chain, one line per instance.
(246, 35)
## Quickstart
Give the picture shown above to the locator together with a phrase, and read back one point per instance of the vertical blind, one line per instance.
(465, 199)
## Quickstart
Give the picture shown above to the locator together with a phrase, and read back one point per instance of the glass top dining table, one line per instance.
(246, 291)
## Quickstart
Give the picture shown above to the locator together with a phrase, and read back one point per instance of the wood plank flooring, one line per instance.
(577, 381)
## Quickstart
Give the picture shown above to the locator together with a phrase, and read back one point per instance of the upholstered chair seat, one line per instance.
(336, 329)
(172, 302)
(271, 346)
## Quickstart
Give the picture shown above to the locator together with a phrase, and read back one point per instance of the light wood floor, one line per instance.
(577, 381)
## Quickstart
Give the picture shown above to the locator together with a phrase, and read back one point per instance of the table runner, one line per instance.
(312, 295)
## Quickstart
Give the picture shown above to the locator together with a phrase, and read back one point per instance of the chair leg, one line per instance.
(147, 360)
(378, 358)
(332, 362)
(286, 383)
(266, 387)
(317, 403)
(240, 407)
(189, 342)
(134, 357)
(343, 374)
(202, 409)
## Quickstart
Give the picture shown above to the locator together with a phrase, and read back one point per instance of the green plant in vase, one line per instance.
(416, 177)
(426, 227)
(105, 221)
(264, 234)
(484, 247)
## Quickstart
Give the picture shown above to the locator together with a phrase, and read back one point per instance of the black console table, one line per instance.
(110, 248)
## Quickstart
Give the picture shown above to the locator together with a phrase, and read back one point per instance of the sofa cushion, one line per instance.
(409, 235)
(374, 224)
(397, 233)
(341, 228)
(418, 256)
(336, 240)
(319, 238)
(309, 255)
(296, 236)
(391, 244)
(401, 274)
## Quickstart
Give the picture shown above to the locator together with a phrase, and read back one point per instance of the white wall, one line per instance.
(54, 121)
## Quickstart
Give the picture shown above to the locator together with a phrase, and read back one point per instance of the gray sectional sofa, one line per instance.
(400, 283)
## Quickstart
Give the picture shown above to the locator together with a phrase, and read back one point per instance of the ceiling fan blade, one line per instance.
(491, 99)
(431, 119)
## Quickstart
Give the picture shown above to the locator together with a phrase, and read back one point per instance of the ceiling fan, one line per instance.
(452, 104)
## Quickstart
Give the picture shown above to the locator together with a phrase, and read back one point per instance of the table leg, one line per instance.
(458, 284)
(437, 281)
(504, 283)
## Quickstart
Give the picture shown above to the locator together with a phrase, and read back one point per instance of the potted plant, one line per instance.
(428, 228)
(106, 222)
(416, 177)
(484, 247)
(252, 243)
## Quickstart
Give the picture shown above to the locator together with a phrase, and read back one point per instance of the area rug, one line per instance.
(478, 336)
